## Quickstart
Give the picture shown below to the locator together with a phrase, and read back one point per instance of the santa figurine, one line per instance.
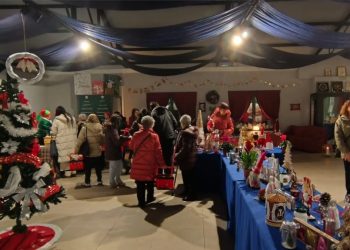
(307, 192)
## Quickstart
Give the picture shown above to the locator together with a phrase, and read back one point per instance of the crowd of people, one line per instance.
(155, 138)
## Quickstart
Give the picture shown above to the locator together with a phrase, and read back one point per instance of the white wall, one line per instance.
(224, 82)
(60, 90)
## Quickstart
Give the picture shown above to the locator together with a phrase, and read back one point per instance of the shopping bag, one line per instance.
(76, 162)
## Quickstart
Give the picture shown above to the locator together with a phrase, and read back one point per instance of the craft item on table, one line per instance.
(344, 231)
(308, 192)
(310, 235)
(253, 179)
(301, 213)
(275, 209)
(329, 226)
(226, 147)
(289, 234)
(325, 199)
(333, 213)
(284, 179)
(199, 124)
(215, 141)
(290, 199)
(321, 244)
(287, 162)
(270, 188)
(261, 194)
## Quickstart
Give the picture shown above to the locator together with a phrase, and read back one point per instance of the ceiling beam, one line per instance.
(337, 29)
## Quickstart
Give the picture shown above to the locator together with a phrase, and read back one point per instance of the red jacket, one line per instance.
(222, 123)
(148, 156)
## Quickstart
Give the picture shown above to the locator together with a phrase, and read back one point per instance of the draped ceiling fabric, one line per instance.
(65, 55)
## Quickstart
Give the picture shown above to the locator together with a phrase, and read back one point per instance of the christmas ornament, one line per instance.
(12, 182)
(253, 179)
(22, 99)
(9, 147)
(50, 190)
(28, 196)
(4, 100)
(27, 62)
(22, 118)
(287, 162)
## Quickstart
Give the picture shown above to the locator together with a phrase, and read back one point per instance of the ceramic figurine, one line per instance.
(307, 192)
(254, 174)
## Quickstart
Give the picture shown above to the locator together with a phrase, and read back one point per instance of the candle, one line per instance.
(328, 151)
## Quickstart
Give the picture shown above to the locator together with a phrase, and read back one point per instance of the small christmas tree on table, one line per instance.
(26, 185)
(199, 124)
(287, 162)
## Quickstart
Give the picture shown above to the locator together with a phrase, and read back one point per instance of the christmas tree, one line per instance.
(287, 162)
(26, 185)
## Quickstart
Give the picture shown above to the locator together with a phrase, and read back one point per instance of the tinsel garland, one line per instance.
(26, 158)
(13, 131)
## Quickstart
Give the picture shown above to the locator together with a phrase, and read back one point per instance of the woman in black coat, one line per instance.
(185, 155)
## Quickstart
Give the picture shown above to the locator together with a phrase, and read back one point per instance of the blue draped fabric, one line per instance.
(173, 35)
(277, 24)
(131, 5)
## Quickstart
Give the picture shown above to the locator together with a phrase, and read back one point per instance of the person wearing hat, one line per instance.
(44, 126)
(221, 120)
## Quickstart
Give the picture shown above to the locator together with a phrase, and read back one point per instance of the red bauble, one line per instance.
(22, 99)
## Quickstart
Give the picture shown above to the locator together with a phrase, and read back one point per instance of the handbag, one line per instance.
(53, 149)
(85, 148)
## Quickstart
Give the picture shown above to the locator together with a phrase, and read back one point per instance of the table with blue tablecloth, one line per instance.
(246, 214)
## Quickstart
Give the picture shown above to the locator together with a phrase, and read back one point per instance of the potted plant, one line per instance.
(226, 147)
(249, 157)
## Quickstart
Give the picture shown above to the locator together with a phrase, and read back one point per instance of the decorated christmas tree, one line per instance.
(287, 162)
(27, 185)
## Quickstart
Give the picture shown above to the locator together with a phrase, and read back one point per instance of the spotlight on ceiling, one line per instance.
(245, 34)
(237, 40)
(84, 45)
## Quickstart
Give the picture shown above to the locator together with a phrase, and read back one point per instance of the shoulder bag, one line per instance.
(85, 148)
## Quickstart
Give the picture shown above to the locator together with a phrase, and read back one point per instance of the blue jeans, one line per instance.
(115, 170)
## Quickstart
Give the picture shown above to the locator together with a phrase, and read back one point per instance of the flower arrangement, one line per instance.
(227, 146)
(249, 156)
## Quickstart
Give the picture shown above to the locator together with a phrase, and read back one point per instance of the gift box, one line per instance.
(76, 163)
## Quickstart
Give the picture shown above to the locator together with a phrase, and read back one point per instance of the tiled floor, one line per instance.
(103, 219)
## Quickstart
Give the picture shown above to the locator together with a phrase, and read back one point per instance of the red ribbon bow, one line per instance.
(4, 99)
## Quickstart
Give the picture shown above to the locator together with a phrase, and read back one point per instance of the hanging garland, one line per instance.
(26, 158)
(164, 81)
(12, 130)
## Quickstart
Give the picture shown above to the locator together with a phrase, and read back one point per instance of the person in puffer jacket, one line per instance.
(147, 158)
(64, 130)
(221, 120)
(342, 139)
(92, 132)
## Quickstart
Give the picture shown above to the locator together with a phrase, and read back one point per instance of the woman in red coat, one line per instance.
(146, 159)
(221, 120)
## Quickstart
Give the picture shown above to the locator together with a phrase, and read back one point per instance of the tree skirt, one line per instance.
(38, 236)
